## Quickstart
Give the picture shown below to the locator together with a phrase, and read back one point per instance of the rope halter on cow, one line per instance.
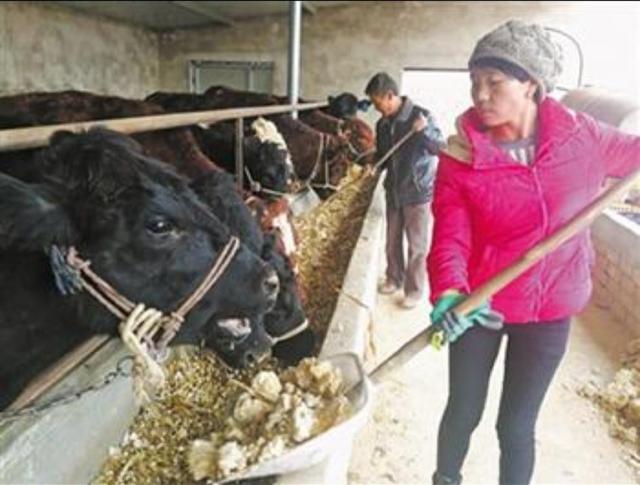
(139, 325)
(290, 334)
(360, 155)
(121, 307)
(256, 187)
(326, 166)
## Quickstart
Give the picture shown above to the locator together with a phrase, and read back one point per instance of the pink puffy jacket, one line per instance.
(489, 210)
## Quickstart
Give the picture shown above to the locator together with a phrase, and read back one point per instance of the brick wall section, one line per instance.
(616, 274)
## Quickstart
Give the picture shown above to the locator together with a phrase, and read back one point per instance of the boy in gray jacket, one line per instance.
(408, 184)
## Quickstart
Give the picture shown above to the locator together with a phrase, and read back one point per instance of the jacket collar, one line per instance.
(471, 144)
(405, 110)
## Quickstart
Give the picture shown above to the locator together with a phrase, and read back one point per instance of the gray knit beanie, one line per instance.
(527, 46)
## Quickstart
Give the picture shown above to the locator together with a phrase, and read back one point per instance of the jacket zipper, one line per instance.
(545, 228)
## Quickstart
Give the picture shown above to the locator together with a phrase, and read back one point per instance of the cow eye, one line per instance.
(159, 225)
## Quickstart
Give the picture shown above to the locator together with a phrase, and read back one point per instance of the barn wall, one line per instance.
(342, 47)
(616, 275)
(46, 47)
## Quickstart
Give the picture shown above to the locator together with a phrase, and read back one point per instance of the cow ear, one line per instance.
(91, 162)
(363, 104)
(32, 216)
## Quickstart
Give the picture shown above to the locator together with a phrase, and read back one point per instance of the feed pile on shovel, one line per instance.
(210, 422)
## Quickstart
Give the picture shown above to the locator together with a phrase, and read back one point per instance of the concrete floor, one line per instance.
(573, 445)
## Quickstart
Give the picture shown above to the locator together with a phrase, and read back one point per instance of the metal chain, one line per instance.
(120, 371)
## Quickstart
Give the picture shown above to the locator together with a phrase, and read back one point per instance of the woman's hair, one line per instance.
(506, 67)
(510, 69)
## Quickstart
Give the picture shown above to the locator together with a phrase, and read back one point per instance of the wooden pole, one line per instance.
(581, 221)
(393, 149)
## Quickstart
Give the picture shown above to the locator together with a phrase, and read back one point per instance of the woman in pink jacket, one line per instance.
(521, 166)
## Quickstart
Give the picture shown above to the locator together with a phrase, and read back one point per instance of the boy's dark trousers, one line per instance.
(412, 220)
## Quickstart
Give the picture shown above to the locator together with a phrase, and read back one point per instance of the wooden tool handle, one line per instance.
(581, 221)
(394, 148)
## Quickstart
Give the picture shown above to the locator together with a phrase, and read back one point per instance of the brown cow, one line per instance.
(362, 140)
(220, 97)
(174, 146)
(359, 136)
(321, 121)
(320, 159)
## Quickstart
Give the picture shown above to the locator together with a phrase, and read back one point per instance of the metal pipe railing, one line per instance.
(33, 137)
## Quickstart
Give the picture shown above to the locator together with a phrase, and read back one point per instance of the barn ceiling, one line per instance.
(163, 16)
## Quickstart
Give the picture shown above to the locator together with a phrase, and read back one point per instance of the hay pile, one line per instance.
(210, 421)
(328, 235)
(273, 415)
(198, 395)
(620, 402)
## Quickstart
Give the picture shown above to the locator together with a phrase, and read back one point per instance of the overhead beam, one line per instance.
(205, 11)
(309, 8)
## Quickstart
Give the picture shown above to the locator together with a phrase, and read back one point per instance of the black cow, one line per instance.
(265, 152)
(144, 231)
(217, 190)
(346, 105)
(266, 161)
(287, 314)
(239, 350)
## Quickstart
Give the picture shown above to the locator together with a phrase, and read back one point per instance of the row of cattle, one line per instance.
(154, 215)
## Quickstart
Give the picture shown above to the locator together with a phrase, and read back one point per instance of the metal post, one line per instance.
(293, 80)
(239, 154)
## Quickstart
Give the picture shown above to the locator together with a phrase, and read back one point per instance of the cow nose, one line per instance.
(271, 284)
(252, 357)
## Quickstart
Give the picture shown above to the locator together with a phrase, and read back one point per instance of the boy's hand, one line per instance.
(420, 123)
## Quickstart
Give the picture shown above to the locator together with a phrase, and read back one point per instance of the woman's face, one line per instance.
(499, 98)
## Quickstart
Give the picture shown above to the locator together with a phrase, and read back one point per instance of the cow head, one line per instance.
(268, 165)
(362, 141)
(141, 226)
(239, 345)
(346, 105)
(218, 191)
(242, 343)
(267, 157)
